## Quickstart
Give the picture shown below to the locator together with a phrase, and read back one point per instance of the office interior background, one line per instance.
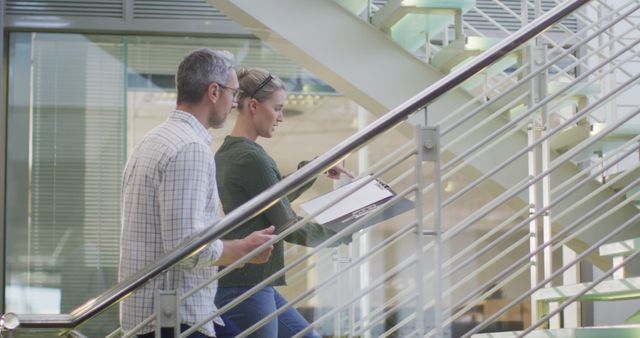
(83, 81)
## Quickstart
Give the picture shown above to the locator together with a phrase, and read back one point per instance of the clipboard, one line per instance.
(356, 205)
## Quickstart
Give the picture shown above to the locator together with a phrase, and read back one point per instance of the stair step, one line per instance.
(626, 331)
(354, 6)
(622, 248)
(615, 289)
(409, 21)
(588, 89)
(459, 52)
(633, 319)
(611, 141)
(628, 178)
(570, 136)
(576, 96)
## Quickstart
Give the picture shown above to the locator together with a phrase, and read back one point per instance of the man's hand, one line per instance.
(255, 239)
(238, 248)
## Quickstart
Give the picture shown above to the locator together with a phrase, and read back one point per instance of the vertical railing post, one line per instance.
(539, 59)
(527, 58)
(458, 26)
(437, 227)
(364, 236)
(341, 258)
(167, 311)
(419, 232)
(428, 148)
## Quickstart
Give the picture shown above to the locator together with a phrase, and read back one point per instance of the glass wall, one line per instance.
(66, 150)
(76, 104)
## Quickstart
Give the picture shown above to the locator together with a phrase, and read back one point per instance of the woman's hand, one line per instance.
(337, 171)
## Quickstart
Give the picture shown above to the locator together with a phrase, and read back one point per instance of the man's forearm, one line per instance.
(232, 250)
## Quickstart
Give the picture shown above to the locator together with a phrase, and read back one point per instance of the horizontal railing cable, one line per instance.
(493, 281)
(613, 12)
(535, 107)
(472, 303)
(492, 289)
(507, 32)
(573, 235)
(516, 100)
(555, 274)
(535, 214)
(528, 77)
(560, 198)
(546, 136)
(516, 189)
(412, 259)
(538, 249)
(382, 312)
(577, 296)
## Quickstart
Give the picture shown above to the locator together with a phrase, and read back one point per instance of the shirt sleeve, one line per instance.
(296, 193)
(261, 177)
(185, 195)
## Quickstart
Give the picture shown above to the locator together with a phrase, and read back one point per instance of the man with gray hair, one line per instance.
(169, 194)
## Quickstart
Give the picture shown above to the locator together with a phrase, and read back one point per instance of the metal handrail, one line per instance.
(265, 199)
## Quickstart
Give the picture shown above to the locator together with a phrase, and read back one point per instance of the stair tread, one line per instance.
(409, 20)
(622, 331)
(570, 137)
(457, 54)
(354, 6)
(583, 88)
(627, 288)
(620, 248)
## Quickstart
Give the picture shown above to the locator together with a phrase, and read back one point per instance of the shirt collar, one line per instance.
(180, 115)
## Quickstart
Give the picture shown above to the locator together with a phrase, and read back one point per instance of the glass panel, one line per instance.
(66, 145)
(76, 105)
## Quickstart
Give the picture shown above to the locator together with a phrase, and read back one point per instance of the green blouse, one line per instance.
(243, 170)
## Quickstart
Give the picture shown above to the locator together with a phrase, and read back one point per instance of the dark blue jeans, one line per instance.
(258, 306)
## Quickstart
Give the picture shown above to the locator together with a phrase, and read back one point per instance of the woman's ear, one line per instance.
(252, 104)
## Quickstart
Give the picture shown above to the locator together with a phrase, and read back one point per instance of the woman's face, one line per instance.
(268, 114)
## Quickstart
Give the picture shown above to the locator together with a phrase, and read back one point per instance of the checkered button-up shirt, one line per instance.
(169, 193)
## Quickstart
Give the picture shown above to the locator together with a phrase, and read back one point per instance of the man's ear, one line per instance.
(212, 92)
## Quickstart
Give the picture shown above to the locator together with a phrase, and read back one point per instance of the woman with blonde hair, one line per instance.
(244, 169)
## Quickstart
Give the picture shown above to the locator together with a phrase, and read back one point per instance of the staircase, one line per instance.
(345, 52)
(508, 170)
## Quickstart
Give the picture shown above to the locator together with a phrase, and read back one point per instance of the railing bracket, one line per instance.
(430, 143)
(167, 311)
(429, 232)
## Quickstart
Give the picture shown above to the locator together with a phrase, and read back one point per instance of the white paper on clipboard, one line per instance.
(369, 194)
